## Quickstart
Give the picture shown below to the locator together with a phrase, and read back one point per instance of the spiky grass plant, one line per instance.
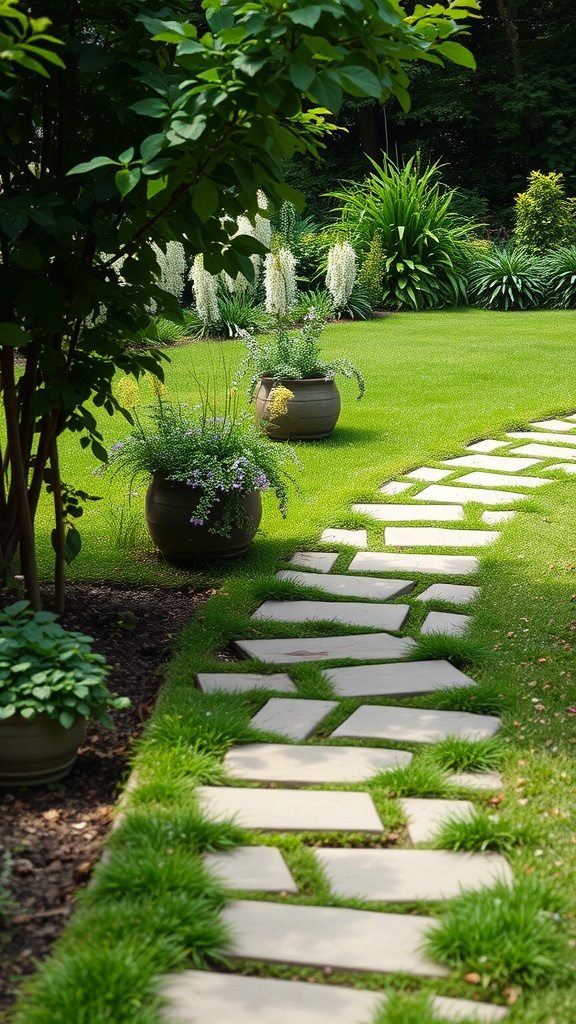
(419, 778)
(163, 828)
(480, 832)
(507, 279)
(456, 754)
(482, 699)
(406, 1008)
(144, 872)
(317, 301)
(239, 312)
(458, 650)
(559, 267)
(506, 934)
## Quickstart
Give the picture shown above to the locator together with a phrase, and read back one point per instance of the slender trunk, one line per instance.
(59, 533)
(512, 33)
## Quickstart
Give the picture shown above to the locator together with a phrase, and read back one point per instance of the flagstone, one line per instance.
(293, 717)
(415, 725)
(485, 496)
(488, 445)
(427, 473)
(352, 613)
(208, 997)
(501, 480)
(321, 561)
(492, 518)
(252, 868)
(572, 417)
(456, 593)
(394, 487)
(424, 817)
(407, 876)
(405, 513)
(499, 463)
(545, 451)
(354, 940)
(349, 586)
(445, 623)
(291, 810)
(552, 425)
(435, 536)
(477, 780)
(396, 680)
(568, 467)
(539, 435)
(238, 682)
(353, 538)
(383, 561)
(361, 646)
(310, 764)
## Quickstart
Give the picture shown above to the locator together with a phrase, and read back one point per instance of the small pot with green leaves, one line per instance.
(293, 387)
(51, 683)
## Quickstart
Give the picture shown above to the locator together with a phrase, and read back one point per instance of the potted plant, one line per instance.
(51, 682)
(294, 388)
(206, 474)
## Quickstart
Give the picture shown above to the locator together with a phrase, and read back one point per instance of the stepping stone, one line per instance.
(351, 613)
(415, 725)
(394, 487)
(453, 592)
(445, 623)
(349, 586)
(208, 997)
(444, 565)
(435, 536)
(494, 480)
(399, 680)
(427, 473)
(499, 463)
(553, 425)
(321, 561)
(424, 817)
(485, 496)
(407, 876)
(477, 780)
(354, 538)
(253, 868)
(572, 417)
(492, 518)
(240, 682)
(407, 513)
(568, 467)
(361, 647)
(489, 445)
(291, 810)
(539, 435)
(545, 451)
(348, 940)
(296, 718)
(310, 765)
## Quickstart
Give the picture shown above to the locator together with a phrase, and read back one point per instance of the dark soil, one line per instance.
(54, 834)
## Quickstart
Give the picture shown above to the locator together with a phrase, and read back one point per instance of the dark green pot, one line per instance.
(34, 752)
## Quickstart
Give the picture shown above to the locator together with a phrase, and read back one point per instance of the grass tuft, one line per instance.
(459, 651)
(419, 778)
(172, 828)
(481, 699)
(406, 1008)
(480, 832)
(457, 754)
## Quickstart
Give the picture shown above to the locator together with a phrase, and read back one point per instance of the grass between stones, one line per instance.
(153, 907)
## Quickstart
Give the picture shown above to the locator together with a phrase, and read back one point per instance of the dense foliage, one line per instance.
(545, 219)
(507, 279)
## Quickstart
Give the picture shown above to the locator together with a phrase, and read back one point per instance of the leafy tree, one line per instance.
(162, 126)
(544, 217)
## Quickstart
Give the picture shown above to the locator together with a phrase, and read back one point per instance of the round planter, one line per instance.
(311, 414)
(36, 751)
(171, 504)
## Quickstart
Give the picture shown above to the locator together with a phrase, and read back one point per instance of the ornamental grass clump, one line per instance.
(559, 268)
(507, 279)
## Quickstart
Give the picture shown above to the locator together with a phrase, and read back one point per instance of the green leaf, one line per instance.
(153, 107)
(457, 53)
(28, 256)
(205, 199)
(92, 165)
(361, 82)
(127, 155)
(7, 711)
(13, 335)
(29, 713)
(302, 76)
(12, 221)
(127, 179)
(66, 719)
(308, 16)
(72, 544)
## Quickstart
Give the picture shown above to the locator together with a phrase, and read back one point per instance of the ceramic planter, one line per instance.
(311, 414)
(34, 752)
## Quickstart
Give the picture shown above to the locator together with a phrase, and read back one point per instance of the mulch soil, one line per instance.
(54, 835)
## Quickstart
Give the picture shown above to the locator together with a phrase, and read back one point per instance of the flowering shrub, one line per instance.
(205, 292)
(341, 273)
(280, 282)
(172, 265)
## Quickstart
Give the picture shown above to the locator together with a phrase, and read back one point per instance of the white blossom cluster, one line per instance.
(280, 282)
(261, 230)
(172, 265)
(205, 286)
(341, 273)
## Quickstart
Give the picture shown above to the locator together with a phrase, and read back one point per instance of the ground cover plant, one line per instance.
(489, 378)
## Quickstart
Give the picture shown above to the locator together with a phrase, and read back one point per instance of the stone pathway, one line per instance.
(268, 784)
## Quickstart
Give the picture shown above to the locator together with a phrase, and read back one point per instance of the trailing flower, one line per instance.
(205, 291)
(278, 400)
(280, 282)
(341, 273)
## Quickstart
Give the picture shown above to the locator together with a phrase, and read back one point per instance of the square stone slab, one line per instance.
(348, 940)
(321, 561)
(478, 780)
(310, 765)
(499, 463)
(406, 876)
(566, 466)
(492, 518)
(481, 479)
(354, 538)
(415, 725)
(545, 451)
(456, 593)
(446, 623)
(553, 425)
(296, 718)
(572, 417)
(539, 435)
(489, 445)
(407, 513)
(291, 810)
(206, 997)
(394, 487)
(351, 613)
(444, 565)
(240, 682)
(349, 586)
(424, 817)
(435, 536)
(398, 680)
(427, 473)
(485, 496)
(361, 647)
(253, 868)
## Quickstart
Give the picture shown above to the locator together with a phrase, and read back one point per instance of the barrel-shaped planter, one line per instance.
(170, 508)
(36, 751)
(311, 413)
